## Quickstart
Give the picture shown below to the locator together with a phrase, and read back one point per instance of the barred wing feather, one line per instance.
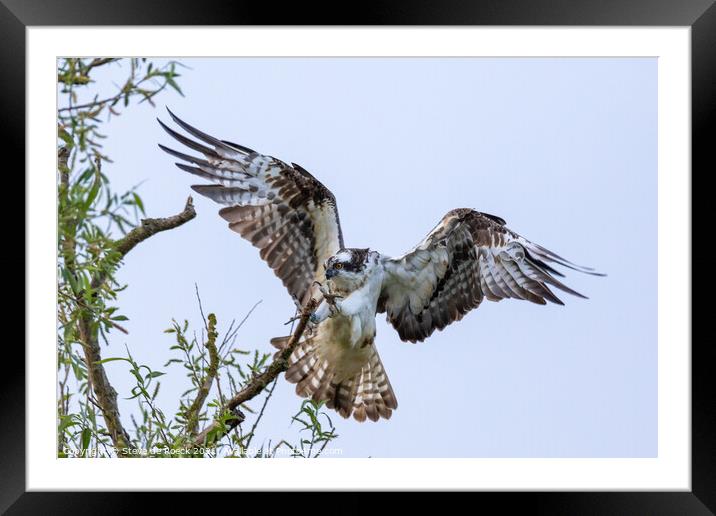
(281, 209)
(467, 257)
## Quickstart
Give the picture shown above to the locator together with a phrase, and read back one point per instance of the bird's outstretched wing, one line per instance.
(281, 209)
(469, 256)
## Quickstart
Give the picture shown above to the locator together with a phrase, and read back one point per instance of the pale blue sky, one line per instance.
(563, 149)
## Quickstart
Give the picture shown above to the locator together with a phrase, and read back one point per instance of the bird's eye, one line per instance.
(338, 266)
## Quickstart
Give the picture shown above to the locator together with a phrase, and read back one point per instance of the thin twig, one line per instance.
(92, 104)
(230, 334)
(201, 308)
(252, 432)
(99, 61)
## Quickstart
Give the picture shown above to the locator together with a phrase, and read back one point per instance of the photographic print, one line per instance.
(357, 257)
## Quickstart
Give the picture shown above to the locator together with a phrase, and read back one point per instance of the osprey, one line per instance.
(292, 218)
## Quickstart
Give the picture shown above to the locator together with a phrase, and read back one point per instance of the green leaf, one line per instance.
(66, 422)
(174, 85)
(66, 137)
(112, 359)
(86, 436)
(138, 202)
(136, 391)
(94, 190)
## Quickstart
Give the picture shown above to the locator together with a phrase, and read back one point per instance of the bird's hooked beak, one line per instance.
(330, 273)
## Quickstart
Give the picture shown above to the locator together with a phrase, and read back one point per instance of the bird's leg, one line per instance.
(329, 297)
(327, 308)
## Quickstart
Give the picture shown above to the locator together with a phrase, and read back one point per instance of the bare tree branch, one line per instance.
(146, 229)
(63, 154)
(103, 390)
(150, 227)
(192, 414)
(215, 432)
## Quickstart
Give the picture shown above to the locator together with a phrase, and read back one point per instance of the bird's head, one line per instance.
(348, 268)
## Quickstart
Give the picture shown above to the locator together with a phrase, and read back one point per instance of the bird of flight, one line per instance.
(292, 218)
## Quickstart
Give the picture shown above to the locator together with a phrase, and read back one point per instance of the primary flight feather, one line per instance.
(292, 218)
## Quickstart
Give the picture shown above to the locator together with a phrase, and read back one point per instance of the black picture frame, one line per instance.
(700, 15)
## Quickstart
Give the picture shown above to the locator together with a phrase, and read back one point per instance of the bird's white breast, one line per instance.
(354, 324)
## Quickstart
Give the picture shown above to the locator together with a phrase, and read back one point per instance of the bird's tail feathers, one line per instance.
(368, 394)
(280, 344)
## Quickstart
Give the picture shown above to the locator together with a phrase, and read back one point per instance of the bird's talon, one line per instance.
(331, 298)
(333, 310)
